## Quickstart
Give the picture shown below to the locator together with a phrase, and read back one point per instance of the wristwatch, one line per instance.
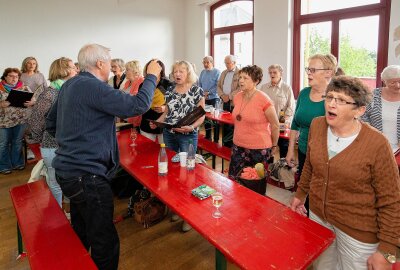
(389, 257)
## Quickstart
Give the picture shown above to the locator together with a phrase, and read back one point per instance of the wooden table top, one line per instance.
(255, 231)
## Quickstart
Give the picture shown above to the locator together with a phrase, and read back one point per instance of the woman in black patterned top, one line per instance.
(182, 99)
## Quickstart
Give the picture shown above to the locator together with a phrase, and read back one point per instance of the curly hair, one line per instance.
(254, 71)
(10, 70)
(352, 87)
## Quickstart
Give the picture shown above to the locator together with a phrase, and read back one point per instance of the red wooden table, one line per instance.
(226, 118)
(255, 232)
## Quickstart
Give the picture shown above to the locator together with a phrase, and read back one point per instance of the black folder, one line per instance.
(17, 98)
(189, 119)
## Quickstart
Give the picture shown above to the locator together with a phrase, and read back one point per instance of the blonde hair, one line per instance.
(23, 66)
(134, 66)
(59, 69)
(329, 61)
(191, 75)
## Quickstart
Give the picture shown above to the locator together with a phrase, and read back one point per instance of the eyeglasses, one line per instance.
(393, 83)
(338, 101)
(13, 76)
(312, 70)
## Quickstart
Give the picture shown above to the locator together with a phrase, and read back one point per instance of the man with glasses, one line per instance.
(208, 80)
(228, 87)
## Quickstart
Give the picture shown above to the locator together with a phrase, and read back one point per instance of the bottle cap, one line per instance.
(162, 144)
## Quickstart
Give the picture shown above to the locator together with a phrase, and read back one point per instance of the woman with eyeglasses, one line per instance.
(310, 104)
(12, 122)
(352, 180)
(383, 112)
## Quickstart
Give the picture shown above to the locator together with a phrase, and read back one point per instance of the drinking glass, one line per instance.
(134, 134)
(217, 202)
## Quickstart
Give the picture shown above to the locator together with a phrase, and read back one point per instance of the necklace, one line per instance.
(239, 116)
(358, 128)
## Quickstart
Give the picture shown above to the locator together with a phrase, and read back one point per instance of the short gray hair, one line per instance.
(276, 66)
(231, 57)
(390, 72)
(209, 58)
(119, 63)
(91, 53)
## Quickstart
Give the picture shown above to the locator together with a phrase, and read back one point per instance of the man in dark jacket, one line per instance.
(83, 123)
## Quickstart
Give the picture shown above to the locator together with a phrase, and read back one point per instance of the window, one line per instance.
(355, 31)
(232, 32)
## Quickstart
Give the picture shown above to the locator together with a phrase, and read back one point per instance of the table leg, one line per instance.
(220, 260)
(21, 253)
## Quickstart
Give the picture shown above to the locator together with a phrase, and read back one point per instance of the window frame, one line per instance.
(231, 30)
(381, 9)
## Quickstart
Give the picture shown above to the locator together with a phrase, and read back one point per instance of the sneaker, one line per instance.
(5, 172)
(186, 227)
(174, 217)
(29, 154)
(19, 168)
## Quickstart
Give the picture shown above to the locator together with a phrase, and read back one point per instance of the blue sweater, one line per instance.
(83, 122)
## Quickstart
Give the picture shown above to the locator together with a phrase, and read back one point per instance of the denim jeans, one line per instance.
(11, 147)
(179, 142)
(48, 155)
(92, 209)
(208, 124)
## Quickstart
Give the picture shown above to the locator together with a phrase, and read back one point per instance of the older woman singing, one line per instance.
(353, 182)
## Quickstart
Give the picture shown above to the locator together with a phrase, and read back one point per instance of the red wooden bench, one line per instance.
(49, 239)
(35, 148)
(215, 149)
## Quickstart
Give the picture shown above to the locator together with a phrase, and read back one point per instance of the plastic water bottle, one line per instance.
(191, 157)
(162, 161)
(217, 107)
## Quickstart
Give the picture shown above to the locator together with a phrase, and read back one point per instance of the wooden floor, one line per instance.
(162, 246)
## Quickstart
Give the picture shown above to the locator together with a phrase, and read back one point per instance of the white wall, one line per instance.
(273, 36)
(142, 29)
(133, 29)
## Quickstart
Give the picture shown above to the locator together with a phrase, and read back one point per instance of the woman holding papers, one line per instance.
(181, 100)
(12, 122)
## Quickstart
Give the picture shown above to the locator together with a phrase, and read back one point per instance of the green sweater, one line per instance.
(306, 111)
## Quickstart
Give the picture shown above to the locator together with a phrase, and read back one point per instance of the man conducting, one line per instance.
(83, 123)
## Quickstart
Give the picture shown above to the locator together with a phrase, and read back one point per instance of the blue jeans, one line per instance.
(179, 142)
(48, 155)
(92, 209)
(11, 147)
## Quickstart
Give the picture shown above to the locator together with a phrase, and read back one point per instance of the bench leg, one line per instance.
(220, 260)
(21, 253)
(213, 161)
(222, 165)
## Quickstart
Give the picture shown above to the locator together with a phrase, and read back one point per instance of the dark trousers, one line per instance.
(92, 209)
(302, 159)
(283, 145)
(209, 124)
(227, 129)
